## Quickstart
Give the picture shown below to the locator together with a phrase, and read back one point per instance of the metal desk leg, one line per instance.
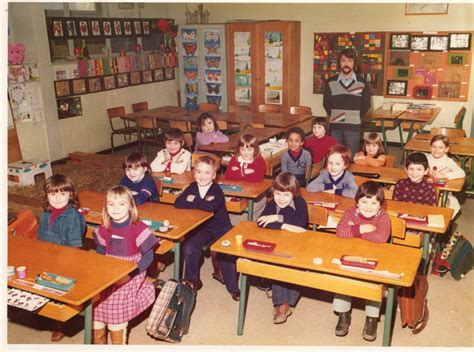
(444, 198)
(177, 259)
(250, 210)
(426, 251)
(384, 134)
(242, 303)
(88, 323)
(410, 131)
(400, 132)
(387, 329)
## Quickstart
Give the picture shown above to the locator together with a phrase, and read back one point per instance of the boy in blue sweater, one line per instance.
(296, 160)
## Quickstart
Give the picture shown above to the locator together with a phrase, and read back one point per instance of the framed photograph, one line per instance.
(400, 41)
(439, 42)
(146, 27)
(126, 5)
(147, 76)
(79, 86)
(58, 30)
(159, 75)
(94, 84)
(122, 80)
(449, 89)
(62, 88)
(127, 27)
(117, 28)
(460, 41)
(419, 42)
(95, 28)
(84, 28)
(169, 73)
(71, 28)
(402, 73)
(457, 59)
(137, 27)
(135, 78)
(69, 107)
(426, 8)
(397, 88)
(422, 92)
(399, 58)
(109, 82)
(107, 28)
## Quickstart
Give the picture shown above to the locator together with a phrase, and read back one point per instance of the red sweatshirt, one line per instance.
(381, 221)
(239, 170)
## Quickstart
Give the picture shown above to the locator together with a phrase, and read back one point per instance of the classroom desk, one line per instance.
(387, 119)
(250, 190)
(390, 175)
(93, 272)
(462, 147)
(298, 250)
(185, 220)
(409, 119)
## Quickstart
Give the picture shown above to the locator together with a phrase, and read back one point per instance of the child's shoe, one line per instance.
(281, 313)
(342, 327)
(370, 329)
(99, 336)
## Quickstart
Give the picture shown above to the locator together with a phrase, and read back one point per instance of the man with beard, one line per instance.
(346, 100)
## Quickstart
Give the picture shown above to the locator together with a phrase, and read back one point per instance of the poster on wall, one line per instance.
(69, 107)
(242, 67)
(273, 67)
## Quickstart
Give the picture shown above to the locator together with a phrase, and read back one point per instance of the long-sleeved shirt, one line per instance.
(213, 201)
(296, 166)
(205, 138)
(318, 147)
(239, 169)
(67, 228)
(296, 213)
(421, 192)
(180, 162)
(144, 190)
(349, 226)
(446, 165)
(345, 184)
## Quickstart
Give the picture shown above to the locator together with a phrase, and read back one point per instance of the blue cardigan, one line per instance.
(297, 215)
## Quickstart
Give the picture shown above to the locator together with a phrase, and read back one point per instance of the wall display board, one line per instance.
(370, 48)
(428, 66)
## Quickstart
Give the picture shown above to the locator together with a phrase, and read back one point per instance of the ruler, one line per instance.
(277, 254)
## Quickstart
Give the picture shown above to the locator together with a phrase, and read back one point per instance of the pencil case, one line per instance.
(367, 174)
(361, 262)
(259, 245)
(56, 281)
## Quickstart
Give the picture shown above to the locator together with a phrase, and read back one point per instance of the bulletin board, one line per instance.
(428, 66)
(370, 47)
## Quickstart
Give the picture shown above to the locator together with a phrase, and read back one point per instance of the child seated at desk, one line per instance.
(247, 165)
(205, 194)
(443, 167)
(60, 222)
(207, 131)
(319, 142)
(335, 179)
(287, 211)
(415, 189)
(138, 180)
(125, 237)
(372, 153)
(296, 160)
(174, 158)
(369, 222)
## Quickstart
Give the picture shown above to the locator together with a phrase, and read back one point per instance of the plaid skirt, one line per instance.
(120, 304)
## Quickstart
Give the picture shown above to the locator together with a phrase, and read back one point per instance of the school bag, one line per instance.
(413, 304)
(171, 314)
(456, 257)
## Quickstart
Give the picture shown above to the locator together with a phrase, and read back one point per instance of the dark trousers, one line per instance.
(284, 293)
(350, 137)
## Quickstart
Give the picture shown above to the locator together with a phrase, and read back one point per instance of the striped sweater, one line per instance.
(349, 226)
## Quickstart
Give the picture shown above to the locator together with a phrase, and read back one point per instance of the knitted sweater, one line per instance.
(421, 192)
(349, 226)
(144, 190)
(180, 162)
(294, 214)
(446, 165)
(238, 169)
(205, 138)
(346, 105)
(296, 166)
(345, 184)
(318, 147)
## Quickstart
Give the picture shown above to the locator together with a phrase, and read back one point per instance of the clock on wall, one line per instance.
(426, 9)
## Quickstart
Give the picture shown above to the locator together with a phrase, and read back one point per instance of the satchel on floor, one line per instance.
(413, 303)
(456, 257)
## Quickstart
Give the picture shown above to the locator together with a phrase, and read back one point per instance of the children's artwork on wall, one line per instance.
(117, 27)
(159, 75)
(430, 62)
(137, 27)
(449, 89)
(396, 88)
(135, 78)
(191, 88)
(58, 28)
(273, 96)
(122, 80)
(107, 28)
(460, 41)
(189, 35)
(62, 88)
(399, 58)
(191, 75)
(456, 58)
(422, 92)
(79, 86)
(84, 28)
(127, 27)
(190, 62)
(109, 82)
(402, 72)
(147, 76)
(439, 42)
(169, 73)
(400, 41)
(424, 77)
(212, 41)
(146, 27)
(71, 28)
(213, 76)
(242, 67)
(69, 107)
(419, 42)
(273, 47)
(213, 88)
(95, 25)
(16, 53)
(95, 84)
(214, 99)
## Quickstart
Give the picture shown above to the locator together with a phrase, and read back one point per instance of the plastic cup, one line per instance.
(239, 239)
(21, 272)
(10, 271)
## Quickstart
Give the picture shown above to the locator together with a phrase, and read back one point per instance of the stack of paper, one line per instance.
(436, 221)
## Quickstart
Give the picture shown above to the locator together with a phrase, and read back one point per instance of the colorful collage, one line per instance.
(243, 67)
(213, 62)
(273, 67)
(189, 42)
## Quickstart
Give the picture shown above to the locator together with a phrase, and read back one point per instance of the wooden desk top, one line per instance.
(462, 146)
(249, 189)
(421, 117)
(303, 247)
(93, 272)
(262, 135)
(382, 114)
(185, 220)
(391, 175)
(391, 206)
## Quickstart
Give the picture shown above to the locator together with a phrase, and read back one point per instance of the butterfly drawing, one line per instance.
(212, 36)
(212, 49)
(191, 101)
(213, 62)
(189, 34)
(213, 88)
(213, 76)
(190, 48)
(191, 88)
(191, 75)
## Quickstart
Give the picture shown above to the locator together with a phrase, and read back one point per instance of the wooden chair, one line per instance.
(141, 106)
(404, 237)
(448, 132)
(159, 185)
(149, 133)
(184, 126)
(188, 138)
(268, 108)
(196, 156)
(317, 216)
(238, 108)
(127, 131)
(254, 125)
(313, 171)
(211, 107)
(25, 224)
(459, 119)
(300, 110)
(389, 160)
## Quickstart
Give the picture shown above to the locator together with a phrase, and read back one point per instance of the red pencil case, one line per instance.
(414, 219)
(259, 245)
(360, 262)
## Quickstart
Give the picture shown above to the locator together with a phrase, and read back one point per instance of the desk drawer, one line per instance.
(236, 207)
(58, 311)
